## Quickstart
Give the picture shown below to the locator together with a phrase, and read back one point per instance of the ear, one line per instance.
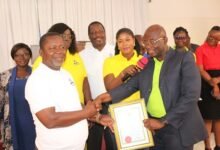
(165, 39)
(41, 52)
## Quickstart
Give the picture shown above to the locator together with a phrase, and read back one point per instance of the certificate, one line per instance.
(129, 129)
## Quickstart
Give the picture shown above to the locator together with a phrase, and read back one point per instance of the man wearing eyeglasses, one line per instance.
(182, 40)
(170, 84)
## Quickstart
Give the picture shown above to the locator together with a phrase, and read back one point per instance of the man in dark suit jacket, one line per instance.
(179, 84)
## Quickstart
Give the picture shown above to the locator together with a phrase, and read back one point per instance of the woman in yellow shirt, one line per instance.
(116, 67)
(73, 63)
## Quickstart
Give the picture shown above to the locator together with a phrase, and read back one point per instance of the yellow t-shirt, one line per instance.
(118, 63)
(74, 65)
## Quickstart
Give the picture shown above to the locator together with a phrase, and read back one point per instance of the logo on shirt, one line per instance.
(75, 62)
(71, 82)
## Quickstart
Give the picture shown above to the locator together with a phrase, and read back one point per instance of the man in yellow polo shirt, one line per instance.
(170, 84)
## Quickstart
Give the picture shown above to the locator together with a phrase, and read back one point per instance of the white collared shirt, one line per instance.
(55, 88)
(93, 60)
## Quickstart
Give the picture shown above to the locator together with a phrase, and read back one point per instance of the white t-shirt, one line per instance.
(93, 60)
(51, 88)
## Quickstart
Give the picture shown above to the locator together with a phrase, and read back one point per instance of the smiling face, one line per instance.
(213, 38)
(53, 51)
(97, 36)
(67, 37)
(22, 57)
(126, 44)
(155, 41)
(181, 39)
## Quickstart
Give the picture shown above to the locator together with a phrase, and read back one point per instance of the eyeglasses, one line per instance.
(153, 42)
(67, 36)
(180, 38)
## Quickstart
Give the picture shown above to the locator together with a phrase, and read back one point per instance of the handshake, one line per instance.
(92, 109)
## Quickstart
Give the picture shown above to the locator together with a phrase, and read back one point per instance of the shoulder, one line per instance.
(5, 76)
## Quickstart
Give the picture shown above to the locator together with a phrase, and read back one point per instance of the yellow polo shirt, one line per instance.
(155, 105)
(116, 64)
(74, 65)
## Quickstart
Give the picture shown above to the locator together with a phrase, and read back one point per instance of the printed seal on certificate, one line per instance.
(129, 129)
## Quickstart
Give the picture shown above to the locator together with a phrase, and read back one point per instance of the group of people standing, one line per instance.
(64, 103)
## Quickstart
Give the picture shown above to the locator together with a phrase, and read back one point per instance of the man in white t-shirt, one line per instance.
(93, 58)
(51, 92)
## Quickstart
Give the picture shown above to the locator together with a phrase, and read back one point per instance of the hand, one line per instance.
(132, 70)
(105, 97)
(214, 81)
(107, 120)
(153, 124)
(90, 109)
(216, 92)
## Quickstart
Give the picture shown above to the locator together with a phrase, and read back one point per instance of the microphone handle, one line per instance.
(126, 77)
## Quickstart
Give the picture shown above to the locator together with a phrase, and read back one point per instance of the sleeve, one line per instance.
(1, 97)
(39, 94)
(190, 86)
(125, 90)
(83, 69)
(36, 63)
(199, 56)
(107, 68)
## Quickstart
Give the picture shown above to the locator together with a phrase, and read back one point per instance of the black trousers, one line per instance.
(94, 141)
(168, 138)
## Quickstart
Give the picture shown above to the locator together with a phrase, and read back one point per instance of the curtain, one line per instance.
(26, 20)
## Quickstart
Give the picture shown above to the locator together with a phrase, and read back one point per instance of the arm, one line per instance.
(117, 94)
(190, 86)
(207, 77)
(52, 119)
(112, 82)
(86, 90)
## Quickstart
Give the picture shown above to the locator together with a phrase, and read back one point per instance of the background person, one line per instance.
(73, 62)
(183, 41)
(208, 62)
(18, 129)
(93, 58)
(116, 67)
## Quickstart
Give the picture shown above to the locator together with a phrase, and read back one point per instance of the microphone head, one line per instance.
(143, 61)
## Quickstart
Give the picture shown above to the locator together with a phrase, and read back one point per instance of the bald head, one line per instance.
(156, 30)
(155, 41)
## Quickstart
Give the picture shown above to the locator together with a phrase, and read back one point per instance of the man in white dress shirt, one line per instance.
(93, 58)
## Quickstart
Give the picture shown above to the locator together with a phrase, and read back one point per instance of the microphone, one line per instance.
(140, 65)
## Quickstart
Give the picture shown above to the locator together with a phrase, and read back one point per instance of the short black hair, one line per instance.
(95, 22)
(179, 29)
(61, 28)
(45, 36)
(215, 28)
(18, 46)
(129, 32)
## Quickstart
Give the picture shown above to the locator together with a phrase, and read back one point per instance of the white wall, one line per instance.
(197, 16)
(26, 20)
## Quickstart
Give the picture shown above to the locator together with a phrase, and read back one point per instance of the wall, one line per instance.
(197, 16)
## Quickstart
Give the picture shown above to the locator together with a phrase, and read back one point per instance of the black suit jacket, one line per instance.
(180, 85)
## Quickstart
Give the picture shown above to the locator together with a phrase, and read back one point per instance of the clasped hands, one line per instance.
(216, 91)
(96, 106)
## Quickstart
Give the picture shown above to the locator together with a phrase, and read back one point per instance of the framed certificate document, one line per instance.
(129, 129)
